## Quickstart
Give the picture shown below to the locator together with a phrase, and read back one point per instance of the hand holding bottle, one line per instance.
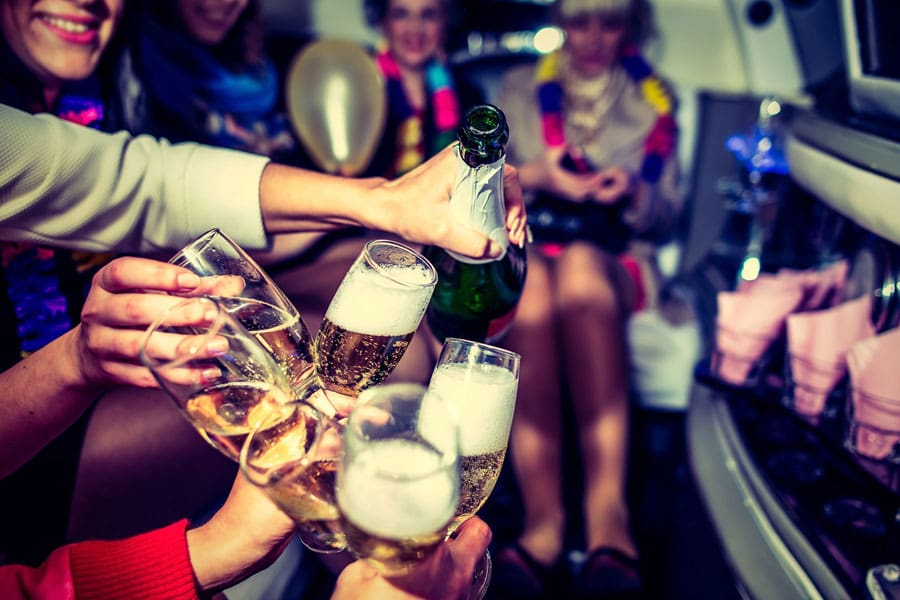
(476, 298)
(417, 213)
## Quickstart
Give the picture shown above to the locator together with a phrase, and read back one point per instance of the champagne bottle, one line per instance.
(476, 299)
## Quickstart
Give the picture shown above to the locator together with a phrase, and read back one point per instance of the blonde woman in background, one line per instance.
(593, 135)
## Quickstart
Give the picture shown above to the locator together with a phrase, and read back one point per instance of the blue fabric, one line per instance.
(34, 289)
(437, 76)
(652, 168)
(637, 67)
(190, 82)
(550, 97)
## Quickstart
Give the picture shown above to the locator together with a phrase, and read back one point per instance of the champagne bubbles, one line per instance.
(484, 397)
(400, 490)
(389, 300)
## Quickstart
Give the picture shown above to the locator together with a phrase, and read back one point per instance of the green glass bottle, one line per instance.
(476, 299)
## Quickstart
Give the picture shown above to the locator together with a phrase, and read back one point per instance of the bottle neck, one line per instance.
(477, 202)
(483, 135)
(475, 160)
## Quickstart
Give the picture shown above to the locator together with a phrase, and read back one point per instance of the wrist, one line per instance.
(374, 205)
(209, 558)
(75, 366)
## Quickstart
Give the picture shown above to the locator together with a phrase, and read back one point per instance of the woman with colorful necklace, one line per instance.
(53, 59)
(593, 133)
(200, 73)
(425, 98)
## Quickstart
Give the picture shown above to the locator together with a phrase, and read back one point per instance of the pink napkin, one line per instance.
(826, 285)
(747, 322)
(737, 354)
(759, 312)
(820, 287)
(784, 280)
(818, 342)
(874, 365)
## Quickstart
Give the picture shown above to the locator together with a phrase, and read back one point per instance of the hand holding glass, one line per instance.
(398, 483)
(263, 309)
(295, 461)
(220, 377)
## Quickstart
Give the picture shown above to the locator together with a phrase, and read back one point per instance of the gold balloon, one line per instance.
(337, 104)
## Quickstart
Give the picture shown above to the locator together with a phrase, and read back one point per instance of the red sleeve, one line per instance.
(148, 566)
(51, 581)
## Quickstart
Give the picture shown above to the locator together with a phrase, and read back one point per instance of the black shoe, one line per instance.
(608, 574)
(518, 576)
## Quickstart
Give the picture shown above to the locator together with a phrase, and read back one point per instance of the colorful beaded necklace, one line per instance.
(660, 142)
(34, 274)
(411, 150)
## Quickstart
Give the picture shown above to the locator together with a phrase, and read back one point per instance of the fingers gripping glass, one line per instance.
(295, 461)
(217, 373)
(227, 271)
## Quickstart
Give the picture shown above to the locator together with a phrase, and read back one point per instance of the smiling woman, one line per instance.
(200, 73)
(425, 98)
(209, 23)
(58, 41)
(53, 55)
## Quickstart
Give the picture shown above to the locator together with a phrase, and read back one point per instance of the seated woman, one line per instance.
(592, 131)
(54, 60)
(64, 59)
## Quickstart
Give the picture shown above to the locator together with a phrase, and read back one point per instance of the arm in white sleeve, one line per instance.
(71, 186)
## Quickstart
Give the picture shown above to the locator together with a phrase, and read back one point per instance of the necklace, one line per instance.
(411, 143)
(660, 141)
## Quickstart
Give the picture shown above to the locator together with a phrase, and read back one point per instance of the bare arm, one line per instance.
(74, 187)
(415, 206)
(46, 392)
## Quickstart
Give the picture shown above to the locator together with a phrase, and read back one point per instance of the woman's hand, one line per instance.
(615, 184)
(124, 299)
(445, 575)
(547, 174)
(244, 536)
(416, 206)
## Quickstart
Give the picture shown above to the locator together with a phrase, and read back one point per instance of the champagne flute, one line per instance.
(481, 382)
(371, 318)
(221, 378)
(398, 482)
(257, 301)
(295, 460)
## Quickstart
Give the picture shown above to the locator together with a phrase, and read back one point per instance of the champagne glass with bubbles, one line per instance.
(372, 318)
(398, 482)
(221, 378)
(256, 301)
(481, 382)
(294, 460)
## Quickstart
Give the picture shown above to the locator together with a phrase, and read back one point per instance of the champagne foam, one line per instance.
(485, 398)
(367, 302)
(417, 499)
